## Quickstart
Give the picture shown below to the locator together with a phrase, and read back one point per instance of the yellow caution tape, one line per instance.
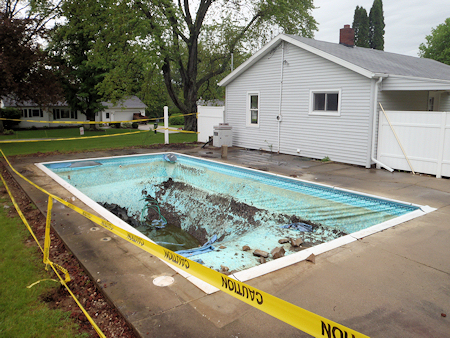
(92, 122)
(302, 319)
(53, 265)
(180, 130)
(77, 122)
(73, 138)
(21, 215)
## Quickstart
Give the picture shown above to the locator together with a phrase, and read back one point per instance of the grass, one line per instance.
(84, 143)
(22, 313)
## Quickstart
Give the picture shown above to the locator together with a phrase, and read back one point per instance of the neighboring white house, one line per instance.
(318, 99)
(123, 111)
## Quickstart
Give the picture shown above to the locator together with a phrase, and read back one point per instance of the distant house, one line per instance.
(318, 99)
(122, 111)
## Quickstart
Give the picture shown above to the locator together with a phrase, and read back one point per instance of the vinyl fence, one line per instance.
(208, 117)
(425, 137)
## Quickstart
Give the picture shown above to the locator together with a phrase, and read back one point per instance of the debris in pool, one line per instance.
(246, 248)
(161, 222)
(260, 253)
(171, 158)
(278, 252)
(300, 226)
(296, 242)
(207, 247)
(283, 240)
(152, 204)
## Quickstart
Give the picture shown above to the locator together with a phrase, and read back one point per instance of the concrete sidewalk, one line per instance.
(395, 283)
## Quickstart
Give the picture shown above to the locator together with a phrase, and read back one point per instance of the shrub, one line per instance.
(176, 120)
(10, 113)
(135, 125)
(126, 125)
(115, 125)
(8, 132)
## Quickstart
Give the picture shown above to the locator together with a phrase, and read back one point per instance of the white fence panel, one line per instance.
(425, 137)
(208, 117)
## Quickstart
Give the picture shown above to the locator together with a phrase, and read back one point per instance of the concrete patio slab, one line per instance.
(395, 283)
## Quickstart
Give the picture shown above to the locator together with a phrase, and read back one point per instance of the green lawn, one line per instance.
(22, 313)
(84, 143)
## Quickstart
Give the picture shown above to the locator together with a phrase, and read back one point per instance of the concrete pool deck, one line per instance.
(395, 283)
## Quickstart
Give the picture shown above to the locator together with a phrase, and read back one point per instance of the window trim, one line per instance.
(324, 112)
(248, 110)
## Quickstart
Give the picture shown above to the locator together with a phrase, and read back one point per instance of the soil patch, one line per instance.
(107, 318)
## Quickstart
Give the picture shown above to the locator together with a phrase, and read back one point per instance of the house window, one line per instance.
(36, 113)
(325, 102)
(74, 115)
(24, 112)
(253, 109)
(65, 113)
(107, 115)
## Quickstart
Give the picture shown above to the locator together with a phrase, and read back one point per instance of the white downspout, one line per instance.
(375, 105)
(280, 116)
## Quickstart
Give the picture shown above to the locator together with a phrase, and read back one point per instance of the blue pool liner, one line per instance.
(298, 226)
(207, 247)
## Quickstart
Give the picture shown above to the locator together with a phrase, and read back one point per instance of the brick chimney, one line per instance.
(347, 36)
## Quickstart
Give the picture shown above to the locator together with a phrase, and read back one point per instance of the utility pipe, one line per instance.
(375, 129)
(280, 116)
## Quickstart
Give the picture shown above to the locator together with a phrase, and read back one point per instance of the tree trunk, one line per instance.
(190, 122)
(2, 128)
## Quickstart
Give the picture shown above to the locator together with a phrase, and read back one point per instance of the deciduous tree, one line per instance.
(192, 42)
(437, 45)
(25, 69)
(71, 44)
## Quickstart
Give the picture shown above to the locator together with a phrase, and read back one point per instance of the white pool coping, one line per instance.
(261, 269)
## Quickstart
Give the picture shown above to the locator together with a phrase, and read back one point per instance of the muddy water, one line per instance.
(170, 237)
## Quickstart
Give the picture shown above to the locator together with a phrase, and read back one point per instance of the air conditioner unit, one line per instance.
(223, 135)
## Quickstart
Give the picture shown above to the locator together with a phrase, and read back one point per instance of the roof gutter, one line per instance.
(374, 123)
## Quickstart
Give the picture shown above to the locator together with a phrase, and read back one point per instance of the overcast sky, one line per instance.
(407, 21)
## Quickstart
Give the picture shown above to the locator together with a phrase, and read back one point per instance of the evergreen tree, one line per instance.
(361, 27)
(376, 23)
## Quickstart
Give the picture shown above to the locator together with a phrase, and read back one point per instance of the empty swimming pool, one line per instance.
(227, 206)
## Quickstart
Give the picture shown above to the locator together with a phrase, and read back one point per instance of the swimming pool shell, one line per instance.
(241, 206)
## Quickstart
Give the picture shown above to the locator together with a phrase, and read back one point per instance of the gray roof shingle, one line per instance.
(129, 102)
(378, 61)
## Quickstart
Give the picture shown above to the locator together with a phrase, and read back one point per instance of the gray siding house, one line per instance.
(316, 99)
